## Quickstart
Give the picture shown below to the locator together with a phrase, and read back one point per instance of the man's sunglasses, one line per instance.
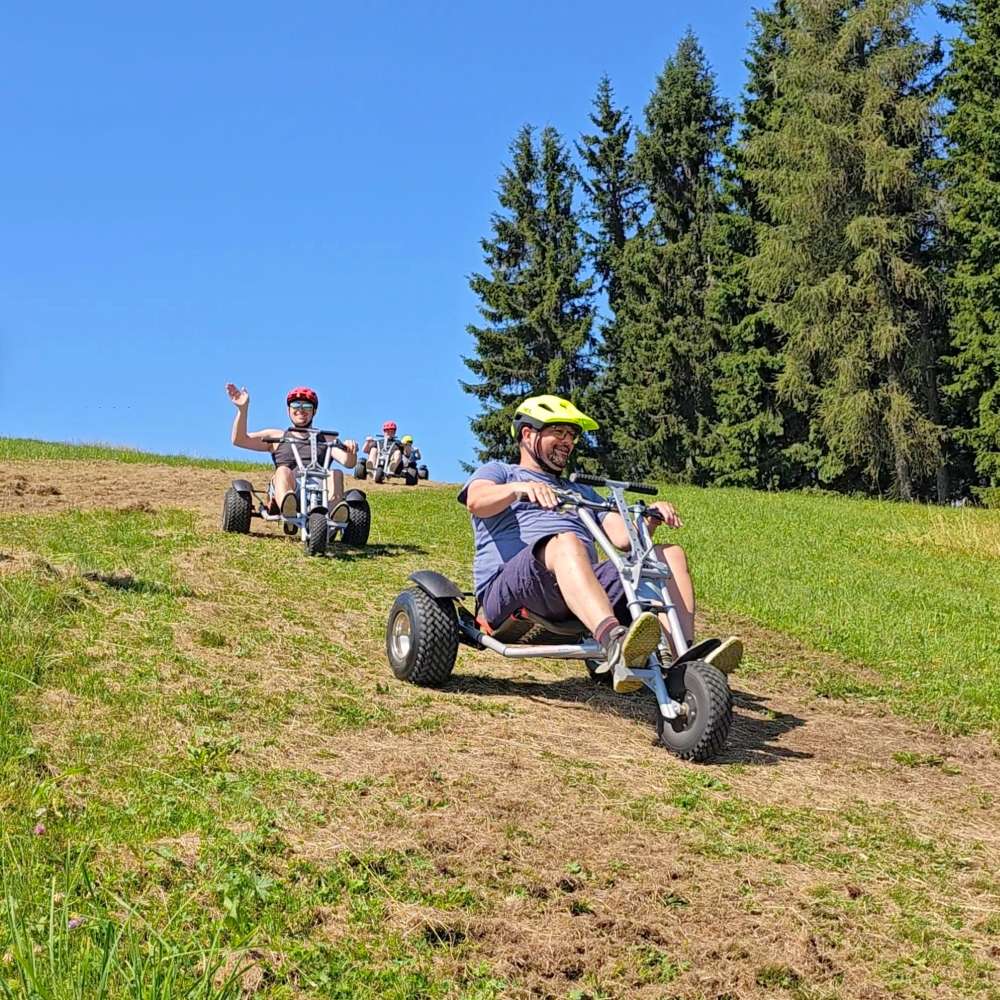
(299, 405)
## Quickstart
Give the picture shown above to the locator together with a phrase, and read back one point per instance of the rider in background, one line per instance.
(411, 454)
(302, 405)
(390, 444)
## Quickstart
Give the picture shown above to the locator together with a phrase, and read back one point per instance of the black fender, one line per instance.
(436, 584)
(355, 496)
(318, 509)
(243, 486)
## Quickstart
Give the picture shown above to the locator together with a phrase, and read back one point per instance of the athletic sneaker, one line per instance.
(631, 648)
(727, 655)
(289, 508)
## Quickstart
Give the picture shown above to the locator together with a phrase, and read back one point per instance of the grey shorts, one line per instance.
(525, 582)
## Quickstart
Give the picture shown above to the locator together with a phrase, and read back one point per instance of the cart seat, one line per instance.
(521, 622)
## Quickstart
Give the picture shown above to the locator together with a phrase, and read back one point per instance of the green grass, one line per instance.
(16, 449)
(150, 809)
(102, 897)
(911, 592)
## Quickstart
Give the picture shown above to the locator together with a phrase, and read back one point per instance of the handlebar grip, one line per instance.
(644, 488)
(271, 440)
(579, 477)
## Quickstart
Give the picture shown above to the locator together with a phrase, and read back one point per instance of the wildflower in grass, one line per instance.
(73, 923)
(39, 829)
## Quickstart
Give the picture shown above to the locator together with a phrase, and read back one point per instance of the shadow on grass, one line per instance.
(752, 740)
(345, 553)
(134, 585)
(349, 553)
(756, 732)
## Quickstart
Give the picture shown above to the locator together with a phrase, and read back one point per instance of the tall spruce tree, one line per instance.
(613, 211)
(844, 263)
(757, 440)
(971, 85)
(536, 305)
(662, 366)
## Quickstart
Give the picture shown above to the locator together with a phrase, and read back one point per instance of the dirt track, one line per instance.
(497, 770)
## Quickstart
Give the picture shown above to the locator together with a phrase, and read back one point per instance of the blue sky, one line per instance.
(280, 194)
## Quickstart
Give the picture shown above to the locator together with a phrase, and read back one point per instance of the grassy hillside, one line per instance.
(14, 449)
(210, 785)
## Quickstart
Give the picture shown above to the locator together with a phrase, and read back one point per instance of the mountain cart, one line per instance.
(318, 522)
(429, 620)
(390, 462)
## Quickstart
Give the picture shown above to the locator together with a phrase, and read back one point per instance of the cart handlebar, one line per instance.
(295, 439)
(644, 488)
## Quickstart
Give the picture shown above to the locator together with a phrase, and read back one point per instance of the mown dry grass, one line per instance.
(965, 532)
(513, 835)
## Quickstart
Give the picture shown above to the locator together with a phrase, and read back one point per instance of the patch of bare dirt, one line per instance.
(53, 485)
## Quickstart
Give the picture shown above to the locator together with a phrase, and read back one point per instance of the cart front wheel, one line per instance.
(701, 733)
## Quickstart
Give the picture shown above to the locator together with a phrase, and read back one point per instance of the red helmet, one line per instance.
(304, 393)
(389, 427)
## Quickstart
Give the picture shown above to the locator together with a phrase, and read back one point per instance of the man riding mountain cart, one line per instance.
(541, 591)
(384, 456)
(304, 494)
(530, 554)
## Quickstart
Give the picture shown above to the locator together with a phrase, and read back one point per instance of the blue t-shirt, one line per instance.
(500, 538)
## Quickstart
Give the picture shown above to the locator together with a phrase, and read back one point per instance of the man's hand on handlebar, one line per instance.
(539, 493)
(664, 512)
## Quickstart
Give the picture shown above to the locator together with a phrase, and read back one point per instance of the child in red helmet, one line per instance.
(302, 403)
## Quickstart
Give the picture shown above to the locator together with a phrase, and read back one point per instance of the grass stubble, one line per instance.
(212, 787)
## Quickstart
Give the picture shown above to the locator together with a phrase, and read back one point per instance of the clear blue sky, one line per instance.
(277, 194)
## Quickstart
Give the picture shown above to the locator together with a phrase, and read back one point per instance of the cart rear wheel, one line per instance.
(421, 638)
(236, 512)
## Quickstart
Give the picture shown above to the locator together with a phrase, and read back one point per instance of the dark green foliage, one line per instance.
(536, 305)
(757, 439)
(661, 368)
(972, 170)
(614, 209)
(611, 186)
(843, 262)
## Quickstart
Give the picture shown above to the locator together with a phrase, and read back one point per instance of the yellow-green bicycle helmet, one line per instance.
(537, 411)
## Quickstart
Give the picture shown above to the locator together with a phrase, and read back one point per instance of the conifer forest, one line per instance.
(800, 290)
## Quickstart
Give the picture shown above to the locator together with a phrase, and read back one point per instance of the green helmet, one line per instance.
(537, 411)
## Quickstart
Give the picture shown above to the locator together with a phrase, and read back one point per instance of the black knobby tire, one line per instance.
(317, 534)
(410, 477)
(604, 679)
(379, 476)
(236, 512)
(423, 473)
(360, 470)
(359, 523)
(703, 732)
(427, 657)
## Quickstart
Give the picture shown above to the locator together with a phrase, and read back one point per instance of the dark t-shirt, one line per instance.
(523, 523)
(284, 456)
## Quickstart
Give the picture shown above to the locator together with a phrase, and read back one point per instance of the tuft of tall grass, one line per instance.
(73, 945)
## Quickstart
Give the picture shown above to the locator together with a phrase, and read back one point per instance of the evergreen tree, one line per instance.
(614, 208)
(757, 439)
(972, 171)
(611, 187)
(661, 370)
(844, 263)
(536, 306)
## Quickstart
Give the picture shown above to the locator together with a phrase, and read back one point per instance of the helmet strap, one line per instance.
(539, 460)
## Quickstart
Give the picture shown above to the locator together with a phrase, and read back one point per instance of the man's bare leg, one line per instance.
(567, 559)
(680, 587)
